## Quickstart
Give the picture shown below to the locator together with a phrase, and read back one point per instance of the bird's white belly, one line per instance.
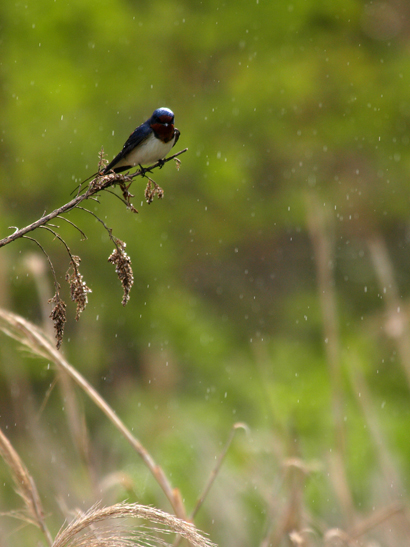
(147, 152)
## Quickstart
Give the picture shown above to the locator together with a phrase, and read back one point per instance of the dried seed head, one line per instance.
(58, 315)
(78, 287)
(123, 268)
(149, 194)
(152, 190)
(126, 194)
(102, 161)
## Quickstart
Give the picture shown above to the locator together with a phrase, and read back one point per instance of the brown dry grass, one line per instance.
(288, 521)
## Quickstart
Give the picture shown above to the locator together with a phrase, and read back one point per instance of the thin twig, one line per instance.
(55, 234)
(45, 219)
(56, 283)
(74, 225)
(47, 397)
(213, 475)
(117, 196)
(157, 164)
(216, 469)
(393, 480)
(377, 518)
(109, 230)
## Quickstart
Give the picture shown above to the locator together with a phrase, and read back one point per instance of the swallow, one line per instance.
(149, 143)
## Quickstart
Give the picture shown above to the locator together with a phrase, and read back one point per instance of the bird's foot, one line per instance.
(144, 170)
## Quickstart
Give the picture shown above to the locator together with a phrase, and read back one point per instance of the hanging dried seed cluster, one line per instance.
(78, 287)
(58, 315)
(122, 268)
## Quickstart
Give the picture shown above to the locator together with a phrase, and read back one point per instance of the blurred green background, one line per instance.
(271, 282)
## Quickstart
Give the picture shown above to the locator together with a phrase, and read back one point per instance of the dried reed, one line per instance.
(25, 488)
(34, 340)
(81, 531)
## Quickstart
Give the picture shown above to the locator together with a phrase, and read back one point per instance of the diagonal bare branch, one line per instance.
(106, 182)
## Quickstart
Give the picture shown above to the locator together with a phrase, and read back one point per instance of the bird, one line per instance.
(150, 142)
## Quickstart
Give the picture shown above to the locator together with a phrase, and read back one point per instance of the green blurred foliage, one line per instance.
(277, 102)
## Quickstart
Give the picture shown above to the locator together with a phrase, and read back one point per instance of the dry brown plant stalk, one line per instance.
(320, 230)
(81, 532)
(216, 469)
(25, 488)
(397, 324)
(97, 185)
(381, 446)
(286, 520)
(32, 338)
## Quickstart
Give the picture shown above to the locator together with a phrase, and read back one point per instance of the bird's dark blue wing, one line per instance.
(135, 139)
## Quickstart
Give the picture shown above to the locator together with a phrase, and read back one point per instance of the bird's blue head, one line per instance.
(163, 116)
